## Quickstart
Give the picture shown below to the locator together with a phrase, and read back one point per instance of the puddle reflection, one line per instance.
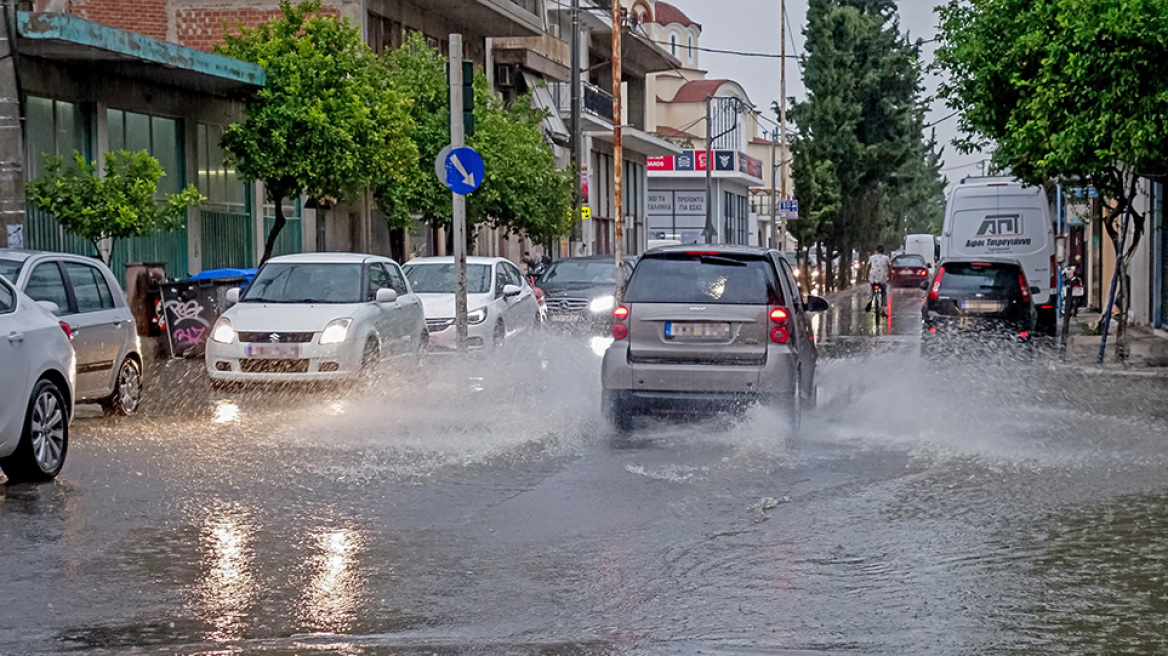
(227, 587)
(335, 587)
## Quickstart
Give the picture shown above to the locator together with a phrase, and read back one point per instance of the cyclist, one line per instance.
(879, 266)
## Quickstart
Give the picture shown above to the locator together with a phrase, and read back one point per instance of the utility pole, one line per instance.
(617, 151)
(783, 113)
(577, 147)
(709, 230)
(457, 140)
(774, 196)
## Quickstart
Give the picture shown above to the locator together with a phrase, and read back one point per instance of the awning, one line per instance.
(491, 17)
(541, 98)
(66, 38)
(639, 141)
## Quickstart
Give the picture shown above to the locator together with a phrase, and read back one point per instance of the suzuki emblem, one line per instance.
(274, 337)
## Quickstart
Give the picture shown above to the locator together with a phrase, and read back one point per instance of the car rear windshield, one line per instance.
(306, 282)
(991, 280)
(908, 261)
(10, 269)
(580, 272)
(439, 278)
(704, 277)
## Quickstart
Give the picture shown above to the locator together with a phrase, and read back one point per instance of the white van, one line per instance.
(924, 245)
(1001, 217)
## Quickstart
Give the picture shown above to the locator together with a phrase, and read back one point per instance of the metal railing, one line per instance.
(596, 101)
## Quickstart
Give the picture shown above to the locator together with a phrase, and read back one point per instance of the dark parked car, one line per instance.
(973, 302)
(908, 271)
(580, 291)
(711, 327)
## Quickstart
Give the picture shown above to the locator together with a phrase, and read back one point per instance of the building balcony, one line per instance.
(597, 103)
(544, 54)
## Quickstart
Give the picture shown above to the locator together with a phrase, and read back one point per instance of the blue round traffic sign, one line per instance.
(464, 170)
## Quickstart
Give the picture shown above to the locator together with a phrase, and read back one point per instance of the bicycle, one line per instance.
(879, 300)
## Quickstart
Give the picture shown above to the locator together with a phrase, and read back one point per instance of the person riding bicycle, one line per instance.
(879, 266)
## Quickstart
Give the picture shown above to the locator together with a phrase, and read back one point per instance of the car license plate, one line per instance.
(565, 318)
(273, 351)
(697, 332)
(978, 306)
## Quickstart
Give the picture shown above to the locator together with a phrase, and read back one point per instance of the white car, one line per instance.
(317, 317)
(500, 302)
(85, 294)
(36, 388)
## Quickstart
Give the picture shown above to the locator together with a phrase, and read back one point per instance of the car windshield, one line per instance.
(439, 278)
(566, 271)
(908, 261)
(306, 282)
(721, 278)
(985, 279)
(10, 269)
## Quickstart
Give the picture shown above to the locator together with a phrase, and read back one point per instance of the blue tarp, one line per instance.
(212, 274)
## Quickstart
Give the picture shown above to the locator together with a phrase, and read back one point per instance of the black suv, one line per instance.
(579, 291)
(977, 301)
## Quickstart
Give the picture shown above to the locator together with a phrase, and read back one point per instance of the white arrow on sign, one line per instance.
(467, 178)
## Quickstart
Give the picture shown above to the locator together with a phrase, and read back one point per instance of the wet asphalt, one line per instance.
(483, 507)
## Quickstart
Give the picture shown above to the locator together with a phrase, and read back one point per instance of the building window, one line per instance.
(216, 180)
(54, 128)
(161, 137)
(673, 44)
(689, 46)
(384, 33)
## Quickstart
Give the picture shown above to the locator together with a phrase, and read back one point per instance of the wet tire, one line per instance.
(370, 357)
(617, 412)
(795, 403)
(500, 336)
(44, 440)
(127, 391)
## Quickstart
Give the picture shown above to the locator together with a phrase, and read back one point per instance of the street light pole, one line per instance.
(617, 151)
(709, 230)
(783, 113)
(575, 111)
(774, 199)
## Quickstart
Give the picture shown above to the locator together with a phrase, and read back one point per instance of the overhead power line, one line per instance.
(737, 53)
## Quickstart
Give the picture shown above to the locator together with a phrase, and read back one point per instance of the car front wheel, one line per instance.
(127, 391)
(44, 440)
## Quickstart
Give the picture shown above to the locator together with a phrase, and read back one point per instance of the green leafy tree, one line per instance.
(328, 123)
(1068, 90)
(122, 203)
(861, 161)
(523, 191)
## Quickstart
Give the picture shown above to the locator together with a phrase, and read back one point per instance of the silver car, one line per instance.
(87, 297)
(710, 327)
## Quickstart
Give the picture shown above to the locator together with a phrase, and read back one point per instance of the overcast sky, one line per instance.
(753, 25)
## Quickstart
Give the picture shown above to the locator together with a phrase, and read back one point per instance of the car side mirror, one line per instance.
(386, 295)
(233, 295)
(51, 307)
(511, 291)
(817, 304)
(925, 285)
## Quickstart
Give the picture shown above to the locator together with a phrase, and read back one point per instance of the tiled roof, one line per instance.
(666, 14)
(697, 91)
(674, 133)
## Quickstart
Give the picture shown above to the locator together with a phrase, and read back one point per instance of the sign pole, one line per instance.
(709, 173)
(617, 152)
(774, 197)
(459, 200)
(783, 112)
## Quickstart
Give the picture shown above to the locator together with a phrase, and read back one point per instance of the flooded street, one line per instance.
(487, 509)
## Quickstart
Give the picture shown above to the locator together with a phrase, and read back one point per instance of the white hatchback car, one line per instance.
(87, 296)
(499, 302)
(317, 317)
(36, 388)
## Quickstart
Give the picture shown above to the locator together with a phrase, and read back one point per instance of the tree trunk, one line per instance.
(274, 233)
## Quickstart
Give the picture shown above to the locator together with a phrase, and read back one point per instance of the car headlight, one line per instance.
(336, 331)
(223, 332)
(476, 317)
(602, 304)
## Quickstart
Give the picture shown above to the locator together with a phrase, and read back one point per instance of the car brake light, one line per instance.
(700, 253)
(780, 315)
(1025, 334)
(932, 330)
(923, 272)
(1025, 287)
(620, 313)
(67, 328)
(619, 331)
(935, 291)
(779, 335)
(1047, 306)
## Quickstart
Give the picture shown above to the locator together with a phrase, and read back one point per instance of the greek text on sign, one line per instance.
(689, 202)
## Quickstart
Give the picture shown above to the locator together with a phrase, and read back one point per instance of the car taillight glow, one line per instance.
(620, 313)
(923, 272)
(619, 331)
(1025, 287)
(780, 315)
(779, 335)
(1025, 334)
(1053, 272)
(935, 291)
(67, 328)
(932, 330)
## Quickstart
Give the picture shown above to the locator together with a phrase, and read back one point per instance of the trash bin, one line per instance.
(142, 280)
(190, 307)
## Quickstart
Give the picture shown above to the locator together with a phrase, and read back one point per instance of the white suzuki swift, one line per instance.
(317, 317)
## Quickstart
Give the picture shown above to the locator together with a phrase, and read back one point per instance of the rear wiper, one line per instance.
(722, 261)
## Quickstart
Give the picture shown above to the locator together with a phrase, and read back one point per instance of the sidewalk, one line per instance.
(1145, 350)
